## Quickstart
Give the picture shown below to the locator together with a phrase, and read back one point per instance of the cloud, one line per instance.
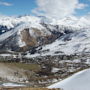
(5, 3)
(82, 6)
(57, 8)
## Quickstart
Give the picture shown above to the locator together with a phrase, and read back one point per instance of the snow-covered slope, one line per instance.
(74, 43)
(11, 22)
(79, 81)
(77, 42)
(72, 34)
(18, 24)
(72, 21)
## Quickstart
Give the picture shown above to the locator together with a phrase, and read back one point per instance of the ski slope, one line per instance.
(78, 81)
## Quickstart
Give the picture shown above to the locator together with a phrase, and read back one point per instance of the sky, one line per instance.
(50, 8)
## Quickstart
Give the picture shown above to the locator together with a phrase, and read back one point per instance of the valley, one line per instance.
(42, 71)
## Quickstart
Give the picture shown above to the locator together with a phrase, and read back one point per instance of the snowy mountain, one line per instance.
(60, 47)
(25, 33)
(72, 43)
(78, 81)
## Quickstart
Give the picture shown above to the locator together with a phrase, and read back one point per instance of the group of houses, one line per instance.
(11, 57)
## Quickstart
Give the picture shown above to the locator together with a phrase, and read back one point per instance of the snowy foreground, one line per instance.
(79, 81)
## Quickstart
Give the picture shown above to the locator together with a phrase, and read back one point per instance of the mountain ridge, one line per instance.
(27, 32)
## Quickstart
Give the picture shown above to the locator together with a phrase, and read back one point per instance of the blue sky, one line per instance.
(18, 7)
(22, 7)
(85, 10)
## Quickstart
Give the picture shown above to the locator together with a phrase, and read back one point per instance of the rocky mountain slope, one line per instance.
(39, 36)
